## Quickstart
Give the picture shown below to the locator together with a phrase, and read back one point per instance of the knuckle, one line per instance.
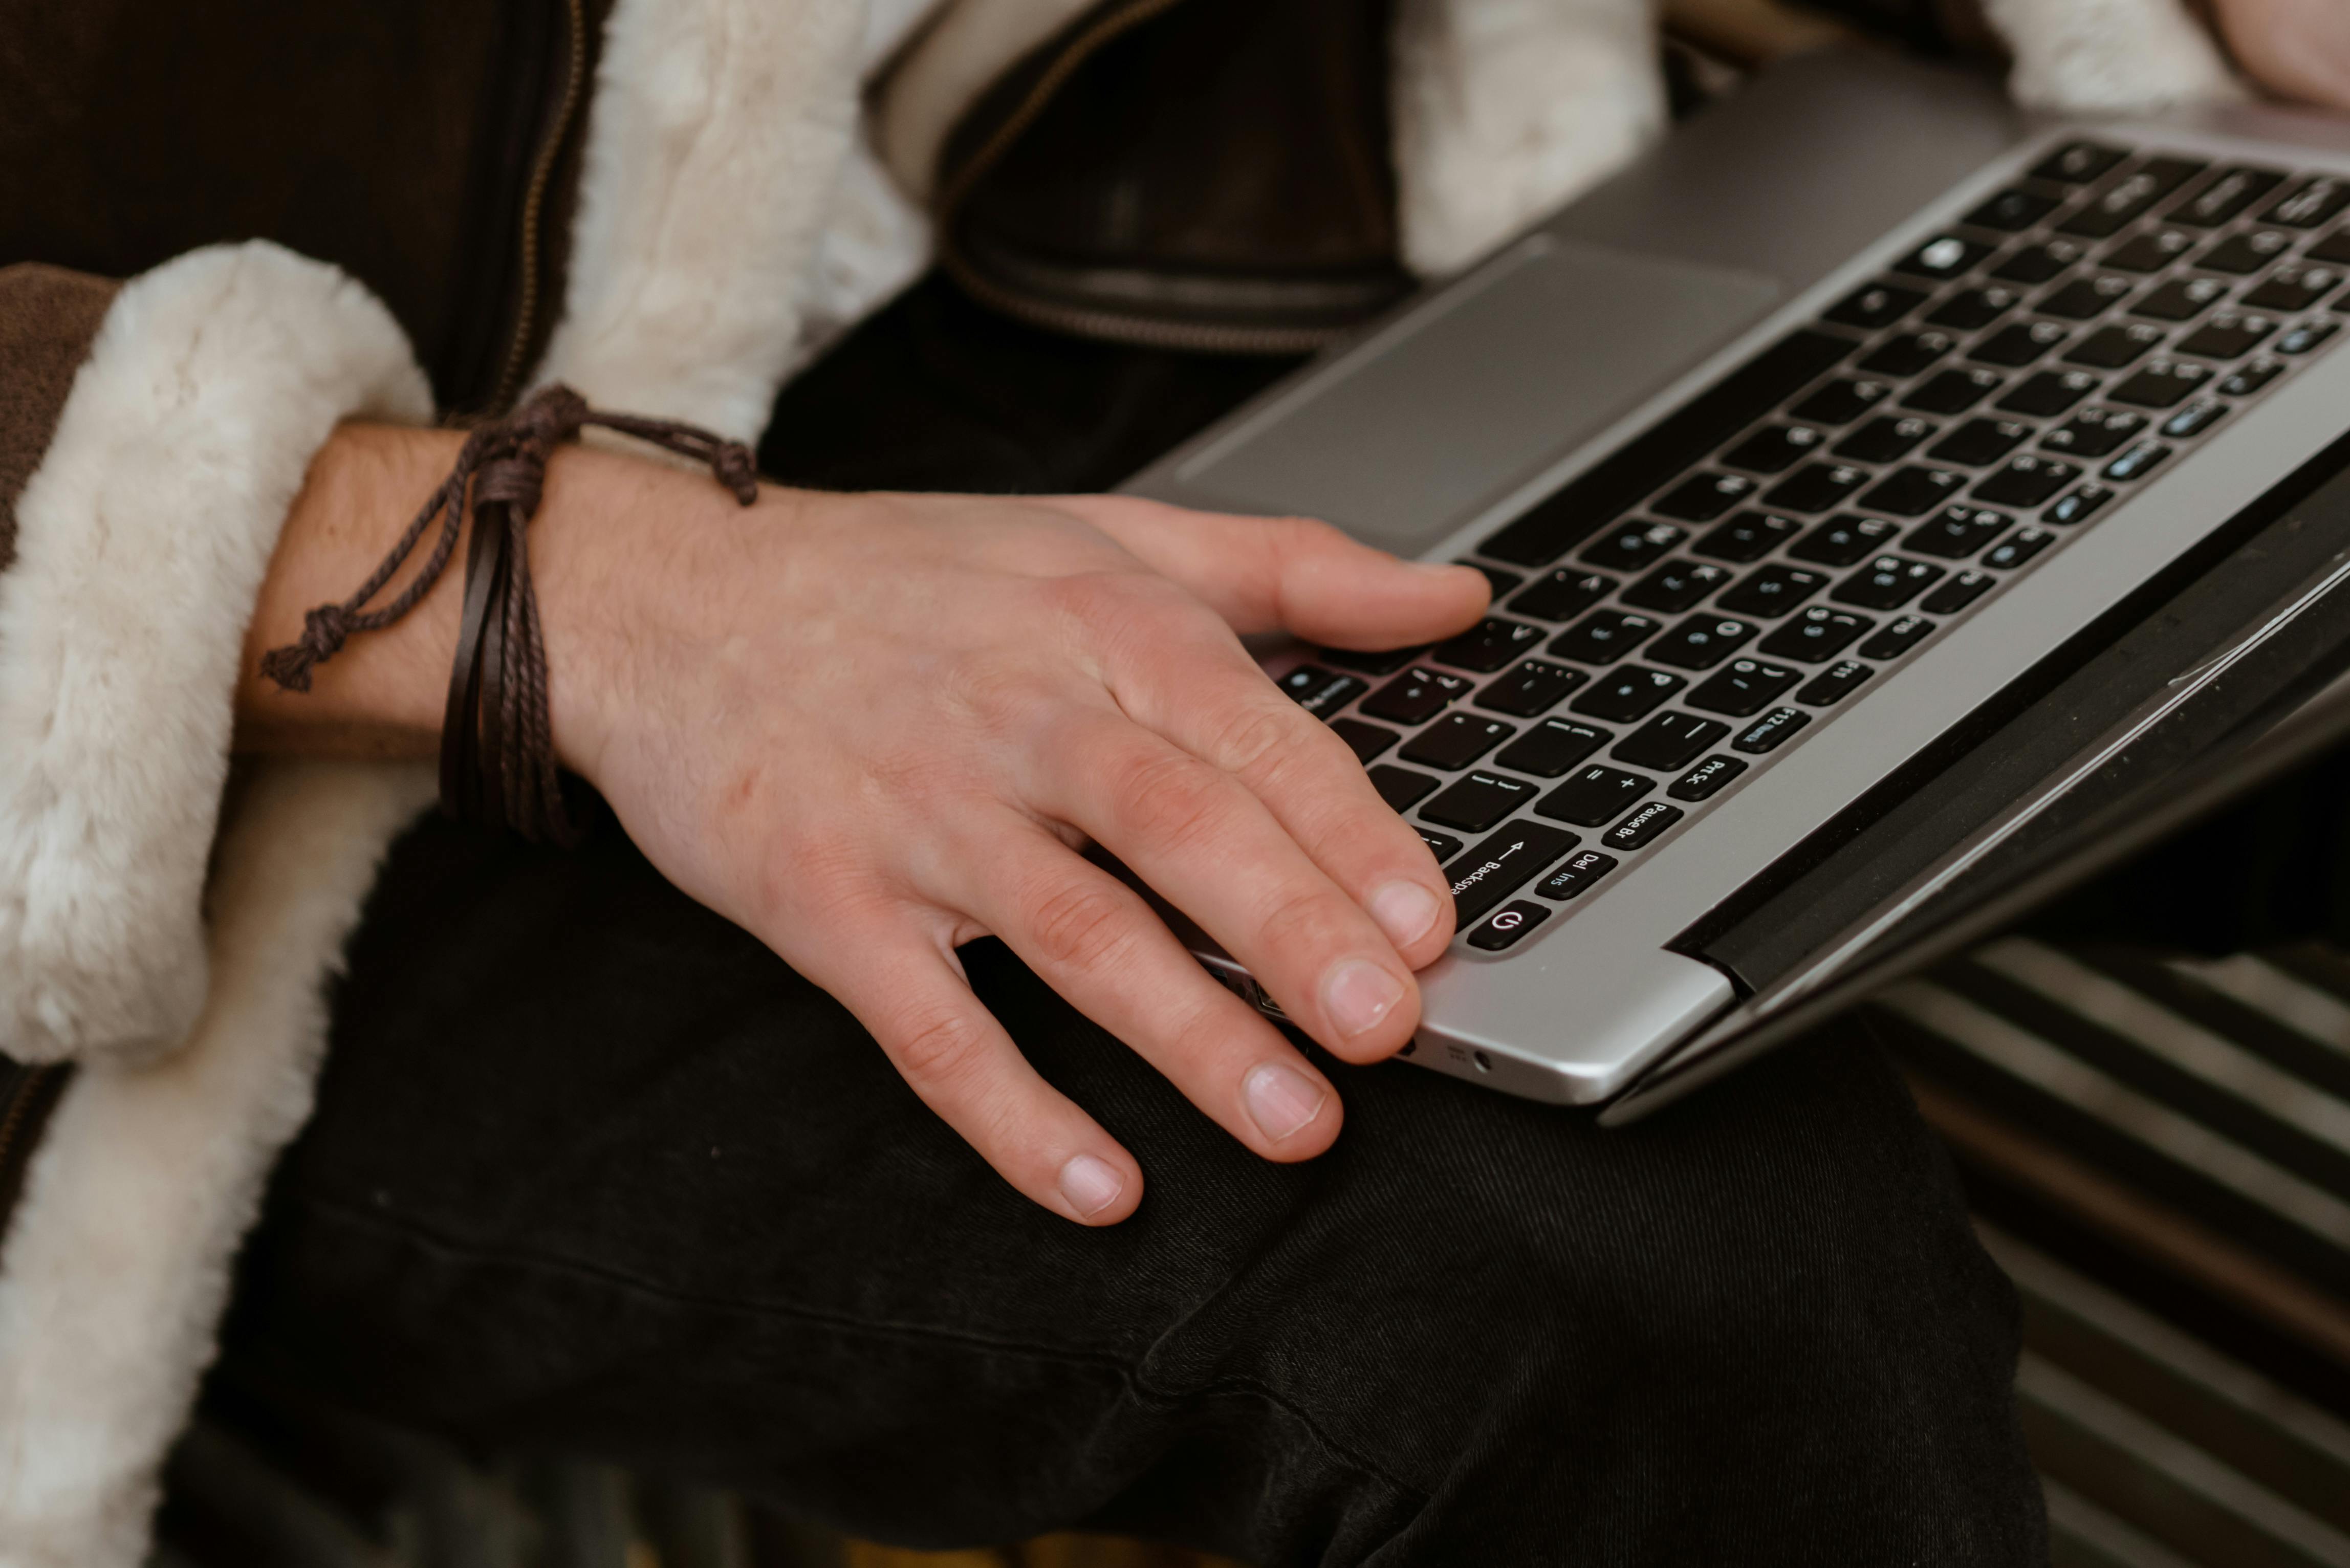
(937, 1050)
(1301, 919)
(1165, 798)
(1255, 735)
(1077, 926)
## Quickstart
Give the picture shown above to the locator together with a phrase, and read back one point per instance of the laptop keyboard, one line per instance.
(1676, 616)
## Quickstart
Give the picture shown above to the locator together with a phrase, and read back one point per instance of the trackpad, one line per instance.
(1399, 441)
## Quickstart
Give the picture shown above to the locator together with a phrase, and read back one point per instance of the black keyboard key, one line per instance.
(1641, 828)
(1628, 696)
(1913, 491)
(1499, 582)
(1887, 582)
(1474, 803)
(1950, 597)
(1884, 439)
(1900, 635)
(2078, 162)
(1368, 740)
(1443, 846)
(2094, 432)
(2248, 252)
(1507, 926)
(2038, 264)
(2111, 348)
(2049, 393)
(1603, 637)
(1634, 546)
(1748, 536)
(2027, 480)
(1668, 740)
(2020, 344)
(1701, 642)
(1400, 787)
(1841, 401)
(1953, 391)
(1818, 634)
(2129, 197)
(1706, 780)
(1834, 683)
(1817, 486)
(2084, 502)
(2334, 247)
(1970, 308)
(1500, 865)
(2246, 380)
(1775, 449)
(1610, 487)
(1703, 497)
(1676, 586)
(2302, 339)
(2181, 300)
(1594, 796)
(1376, 661)
(1415, 696)
(2150, 251)
(1743, 686)
(1772, 730)
(1772, 591)
(1551, 747)
(1535, 686)
(1944, 256)
(2319, 200)
(2163, 384)
(2018, 547)
(1910, 353)
(1455, 741)
(1956, 533)
(2229, 193)
(1978, 444)
(2086, 296)
(2195, 419)
(1563, 594)
(2295, 287)
(1489, 645)
(2136, 463)
(2230, 335)
(1575, 875)
(2013, 210)
(1319, 691)
(1879, 305)
(1840, 541)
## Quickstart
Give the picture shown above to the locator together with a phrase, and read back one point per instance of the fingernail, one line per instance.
(1090, 1184)
(1281, 1100)
(1404, 910)
(1358, 994)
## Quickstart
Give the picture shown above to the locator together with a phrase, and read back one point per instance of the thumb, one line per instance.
(1291, 574)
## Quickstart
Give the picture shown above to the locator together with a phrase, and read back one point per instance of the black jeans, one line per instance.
(592, 1169)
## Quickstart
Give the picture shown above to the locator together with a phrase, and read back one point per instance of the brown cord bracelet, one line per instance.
(497, 746)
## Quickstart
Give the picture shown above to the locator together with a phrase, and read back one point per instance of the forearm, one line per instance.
(383, 695)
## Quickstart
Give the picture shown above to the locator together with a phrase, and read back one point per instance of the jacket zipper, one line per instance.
(534, 206)
(15, 1115)
(1077, 319)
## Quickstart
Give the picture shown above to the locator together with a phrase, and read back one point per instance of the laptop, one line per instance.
(1896, 505)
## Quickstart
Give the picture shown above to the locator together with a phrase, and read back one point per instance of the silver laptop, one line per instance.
(1788, 452)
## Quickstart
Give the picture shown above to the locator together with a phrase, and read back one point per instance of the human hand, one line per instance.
(2295, 48)
(872, 728)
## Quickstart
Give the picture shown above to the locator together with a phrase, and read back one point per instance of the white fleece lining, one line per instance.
(712, 146)
(711, 149)
(118, 1264)
(2089, 57)
(142, 542)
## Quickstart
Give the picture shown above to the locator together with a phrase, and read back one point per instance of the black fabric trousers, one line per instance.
(592, 1169)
